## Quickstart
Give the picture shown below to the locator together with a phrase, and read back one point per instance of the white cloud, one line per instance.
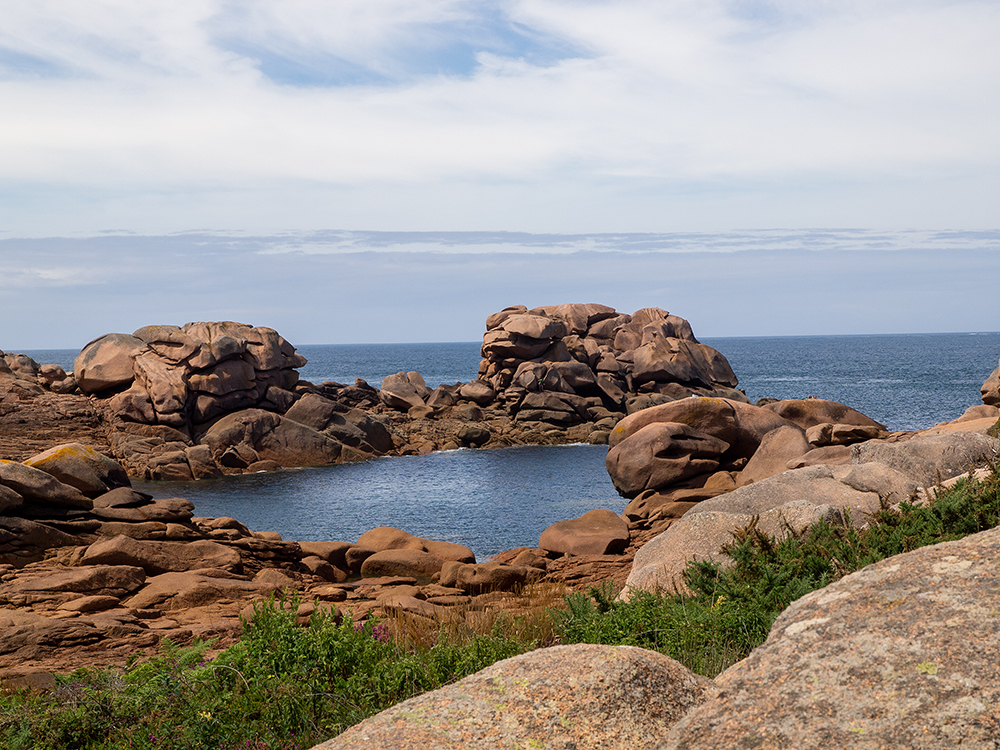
(536, 114)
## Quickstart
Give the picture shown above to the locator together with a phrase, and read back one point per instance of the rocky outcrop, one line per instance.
(688, 444)
(37, 412)
(578, 363)
(34, 377)
(586, 697)
(78, 543)
(777, 506)
(929, 459)
(880, 475)
(194, 401)
(901, 654)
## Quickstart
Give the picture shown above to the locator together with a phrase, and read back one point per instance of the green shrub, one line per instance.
(281, 687)
(730, 611)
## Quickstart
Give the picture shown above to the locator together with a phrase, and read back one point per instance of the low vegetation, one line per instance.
(284, 687)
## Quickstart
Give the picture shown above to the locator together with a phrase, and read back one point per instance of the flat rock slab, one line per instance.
(902, 654)
(161, 557)
(585, 697)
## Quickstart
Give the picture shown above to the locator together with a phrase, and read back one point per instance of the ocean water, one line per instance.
(499, 499)
(906, 381)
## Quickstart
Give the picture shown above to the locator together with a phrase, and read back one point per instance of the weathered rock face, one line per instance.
(574, 363)
(658, 447)
(584, 696)
(991, 389)
(597, 532)
(205, 399)
(881, 474)
(931, 458)
(187, 375)
(904, 654)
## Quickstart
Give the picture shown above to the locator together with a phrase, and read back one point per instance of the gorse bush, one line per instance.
(730, 610)
(285, 687)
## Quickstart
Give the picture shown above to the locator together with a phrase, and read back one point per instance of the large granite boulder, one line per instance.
(903, 654)
(741, 425)
(663, 445)
(789, 502)
(991, 389)
(929, 459)
(662, 454)
(246, 437)
(106, 362)
(586, 697)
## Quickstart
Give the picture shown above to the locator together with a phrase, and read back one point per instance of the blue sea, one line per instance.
(499, 499)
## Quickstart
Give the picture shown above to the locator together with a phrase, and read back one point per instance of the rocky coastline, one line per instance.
(92, 571)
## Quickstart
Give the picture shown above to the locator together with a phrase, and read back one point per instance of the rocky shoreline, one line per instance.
(92, 571)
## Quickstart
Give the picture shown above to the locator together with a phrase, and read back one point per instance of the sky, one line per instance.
(351, 171)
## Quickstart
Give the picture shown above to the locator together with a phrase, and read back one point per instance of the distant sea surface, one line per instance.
(500, 499)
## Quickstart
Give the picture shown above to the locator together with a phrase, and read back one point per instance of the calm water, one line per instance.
(489, 500)
(499, 499)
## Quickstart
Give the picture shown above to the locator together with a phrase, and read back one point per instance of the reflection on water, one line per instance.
(489, 500)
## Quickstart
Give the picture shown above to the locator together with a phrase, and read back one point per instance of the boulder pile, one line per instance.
(573, 363)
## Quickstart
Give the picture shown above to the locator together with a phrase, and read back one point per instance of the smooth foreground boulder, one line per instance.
(584, 697)
(902, 654)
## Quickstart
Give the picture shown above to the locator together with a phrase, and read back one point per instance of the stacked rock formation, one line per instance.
(209, 398)
(667, 457)
(184, 376)
(565, 364)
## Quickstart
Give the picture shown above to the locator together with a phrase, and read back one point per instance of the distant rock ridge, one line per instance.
(208, 398)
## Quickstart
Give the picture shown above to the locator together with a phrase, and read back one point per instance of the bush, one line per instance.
(281, 687)
(730, 611)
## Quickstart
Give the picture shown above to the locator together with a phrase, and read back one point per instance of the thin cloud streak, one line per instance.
(857, 282)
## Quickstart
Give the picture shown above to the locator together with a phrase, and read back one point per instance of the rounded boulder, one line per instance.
(597, 532)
